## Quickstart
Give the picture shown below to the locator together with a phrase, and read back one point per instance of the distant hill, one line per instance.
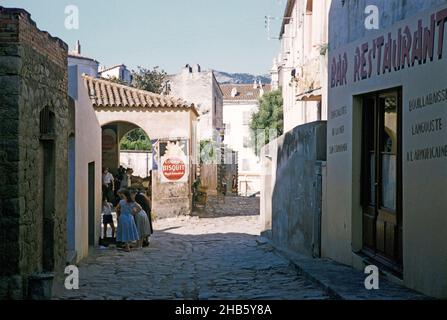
(240, 78)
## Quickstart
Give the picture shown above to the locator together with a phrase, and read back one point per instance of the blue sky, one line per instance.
(225, 35)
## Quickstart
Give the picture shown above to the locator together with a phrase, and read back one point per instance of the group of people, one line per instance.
(111, 184)
(133, 211)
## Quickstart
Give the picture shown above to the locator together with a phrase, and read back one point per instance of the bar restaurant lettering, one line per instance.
(389, 53)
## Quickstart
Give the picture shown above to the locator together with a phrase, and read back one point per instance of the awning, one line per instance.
(311, 95)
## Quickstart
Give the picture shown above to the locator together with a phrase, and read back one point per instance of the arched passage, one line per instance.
(136, 152)
(112, 134)
(169, 121)
(137, 160)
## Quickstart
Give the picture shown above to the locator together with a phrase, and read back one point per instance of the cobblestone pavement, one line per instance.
(195, 258)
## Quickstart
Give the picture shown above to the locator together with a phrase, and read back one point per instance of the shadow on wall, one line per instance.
(296, 198)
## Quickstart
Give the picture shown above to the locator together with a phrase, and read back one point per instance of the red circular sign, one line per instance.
(173, 169)
(108, 142)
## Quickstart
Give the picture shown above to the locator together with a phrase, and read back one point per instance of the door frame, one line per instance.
(91, 204)
(393, 264)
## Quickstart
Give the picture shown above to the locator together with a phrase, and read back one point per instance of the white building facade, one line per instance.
(239, 104)
(119, 72)
(300, 70)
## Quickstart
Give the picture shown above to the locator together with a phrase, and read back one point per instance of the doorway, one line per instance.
(71, 194)
(382, 178)
(91, 204)
(48, 205)
(47, 185)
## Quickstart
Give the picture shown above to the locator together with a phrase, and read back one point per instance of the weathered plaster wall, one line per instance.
(295, 207)
(295, 196)
(87, 150)
(33, 75)
(268, 157)
(347, 23)
(168, 199)
(424, 200)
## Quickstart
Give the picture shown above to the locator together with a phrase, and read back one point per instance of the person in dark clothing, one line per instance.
(144, 202)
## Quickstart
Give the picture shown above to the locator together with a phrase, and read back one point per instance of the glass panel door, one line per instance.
(389, 147)
(381, 157)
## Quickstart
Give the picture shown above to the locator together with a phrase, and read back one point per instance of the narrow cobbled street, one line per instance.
(216, 254)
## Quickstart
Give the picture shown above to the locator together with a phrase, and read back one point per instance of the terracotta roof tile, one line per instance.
(243, 92)
(107, 94)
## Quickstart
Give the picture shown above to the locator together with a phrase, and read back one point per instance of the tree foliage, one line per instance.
(149, 80)
(269, 117)
(207, 152)
(137, 140)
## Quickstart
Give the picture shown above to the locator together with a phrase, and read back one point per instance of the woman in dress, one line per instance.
(127, 230)
(141, 220)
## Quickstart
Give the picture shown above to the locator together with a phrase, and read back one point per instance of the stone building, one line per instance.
(300, 70)
(387, 155)
(35, 127)
(240, 102)
(201, 88)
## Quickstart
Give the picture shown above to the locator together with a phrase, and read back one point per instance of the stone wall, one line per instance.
(293, 191)
(170, 199)
(33, 76)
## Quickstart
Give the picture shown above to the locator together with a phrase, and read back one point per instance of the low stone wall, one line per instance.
(291, 188)
(170, 199)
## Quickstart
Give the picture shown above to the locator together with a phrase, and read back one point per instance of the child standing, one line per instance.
(107, 218)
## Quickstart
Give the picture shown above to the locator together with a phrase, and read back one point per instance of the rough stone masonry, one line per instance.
(34, 128)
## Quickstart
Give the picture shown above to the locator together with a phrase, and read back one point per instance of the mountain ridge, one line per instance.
(240, 78)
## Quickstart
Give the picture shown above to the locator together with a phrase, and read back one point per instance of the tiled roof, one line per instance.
(107, 94)
(243, 92)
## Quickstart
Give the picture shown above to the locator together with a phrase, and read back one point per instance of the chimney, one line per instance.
(197, 68)
(187, 69)
(261, 89)
(78, 48)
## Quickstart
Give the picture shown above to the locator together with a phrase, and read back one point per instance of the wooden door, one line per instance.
(381, 178)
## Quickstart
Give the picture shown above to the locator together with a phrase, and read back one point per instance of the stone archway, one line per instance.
(165, 119)
(112, 135)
